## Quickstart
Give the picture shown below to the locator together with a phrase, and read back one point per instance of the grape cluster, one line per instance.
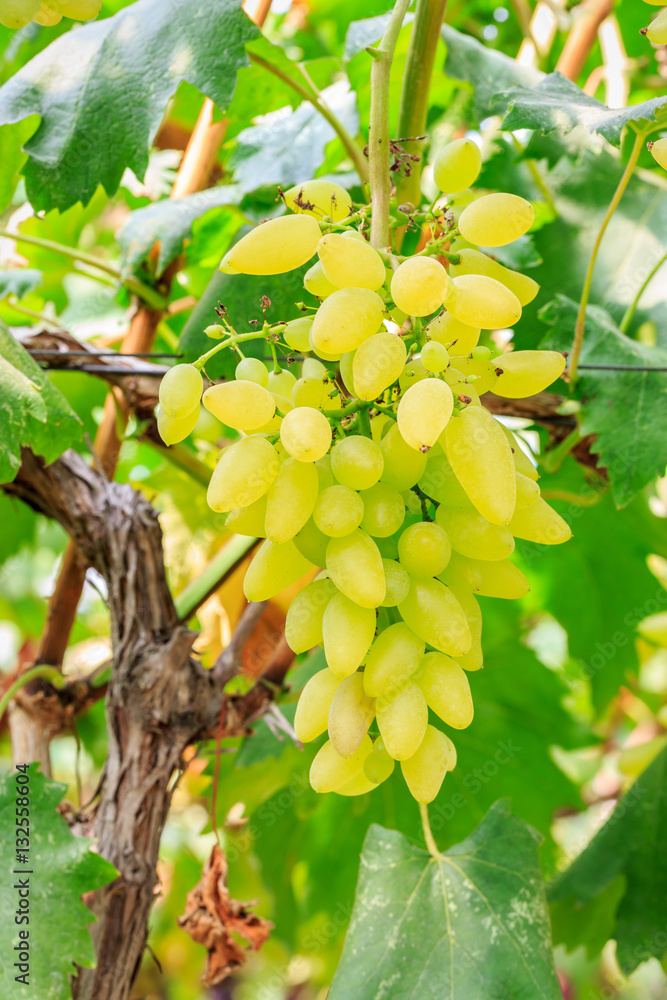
(19, 13)
(380, 466)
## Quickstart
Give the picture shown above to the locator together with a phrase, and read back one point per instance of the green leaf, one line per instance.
(12, 157)
(556, 104)
(34, 414)
(366, 32)
(630, 844)
(62, 867)
(627, 410)
(83, 84)
(19, 281)
(470, 924)
(264, 743)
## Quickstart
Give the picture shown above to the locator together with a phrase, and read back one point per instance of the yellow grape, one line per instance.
(423, 413)
(305, 433)
(435, 615)
(275, 247)
(244, 473)
(348, 631)
(81, 10)
(338, 511)
(242, 405)
(316, 282)
(474, 658)
(495, 220)
(440, 483)
(274, 568)
(312, 543)
(325, 475)
(312, 711)
(397, 582)
(659, 148)
(357, 462)
(481, 458)
(290, 500)
(424, 549)
(347, 371)
(413, 372)
(308, 392)
(657, 29)
(420, 285)
(303, 626)
(319, 198)
(434, 356)
(313, 368)
(248, 520)
(383, 510)
(499, 578)
(525, 373)
(297, 334)
(425, 771)
(350, 263)
(282, 382)
(483, 302)
(47, 17)
(475, 262)
(403, 466)
(359, 785)
(445, 329)
(378, 766)
(484, 372)
(252, 370)
(180, 391)
(654, 628)
(329, 770)
(446, 689)
(540, 523)
(527, 491)
(402, 720)
(355, 566)
(393, 658)
(472, 535)
(345, 319)
(350, 715)
(457, 166)
(377, 364)
(175, 429)
(521, 461)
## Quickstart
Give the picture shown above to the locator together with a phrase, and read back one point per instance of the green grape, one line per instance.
(540, 523)
(312, 711)
(357, 462)
(654, 628)
(435, 615)
(47, 17)
(384, 510)
(393, 658)
(324, 473)
(320, 198)
(397, 582)
(446, 689)
(379, 766)
(350, 715)
(80, 10)
(282, 382)
(348, 631)
(338, 511)
(424, 549)
(402, 720)
(175, 429)
(359, 785)
(303, 626)
(475, 262)
(481, 301)
(488, 578)
(458, 337)
(329, 771)
(305, 434)
(347, 318)
(474, 658)
(413, 372)
(252, 370)
(290, 500)
(440, 483)
(248, 520)
(377, 364)
(242, 405)
(494, 220)
(521, 461)
(297, 334)
(316, 282)
(420, 285)
(425, 771)
(657, 29)
(354, 234)
(275, 247)
(355, 566)
(659, 148)
(481, 458)
(423, 413)
(312, 543)
(480, 354)
(274, 568)
(308, 392)
(313, 368)
(347, 371)
(472, 535)
(403, 466)
(435, 356)
(525, 373)
(180, 391)
(527, 491)
(283, 405)
(457, 166)
(484, 372)
(350, 263)
(244, 473)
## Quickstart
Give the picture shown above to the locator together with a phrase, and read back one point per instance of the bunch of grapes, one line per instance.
(380, 467)
(19, 13)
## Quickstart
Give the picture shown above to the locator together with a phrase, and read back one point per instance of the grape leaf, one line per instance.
(34, 413)
(19, 281)
(469, 924)
(631, 844)
(83, 84)
(557, 104)
(627, 410)
(12, 156)
(366, 32)
(62, 868)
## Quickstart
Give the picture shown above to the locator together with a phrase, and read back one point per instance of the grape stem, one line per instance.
(618, 194)
(429, 839)
(237, 338)
(630, 311)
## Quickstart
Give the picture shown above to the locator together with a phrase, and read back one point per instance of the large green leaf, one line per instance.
(470, 924)
(101, 91)
(34, 414)
(12, 156)
(59, 868)
(631, 843)
(19, 281)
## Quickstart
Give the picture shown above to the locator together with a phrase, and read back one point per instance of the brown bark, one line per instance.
(588, 17)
